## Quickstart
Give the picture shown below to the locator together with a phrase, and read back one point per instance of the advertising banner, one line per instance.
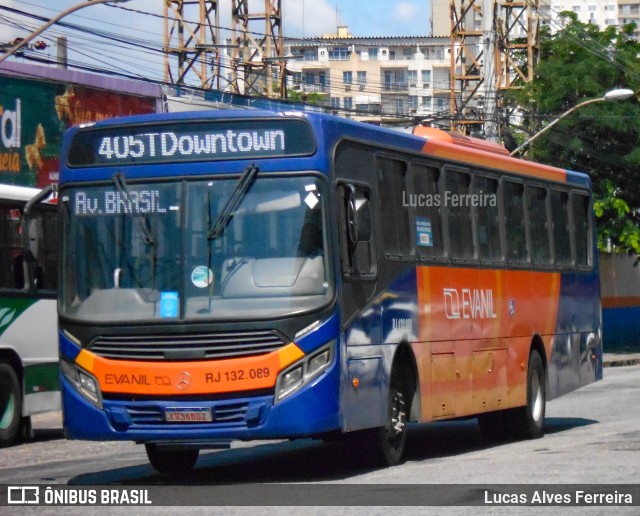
(34, 115)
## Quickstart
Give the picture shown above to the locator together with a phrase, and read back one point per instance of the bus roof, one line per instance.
(17, 193)
(428, 141)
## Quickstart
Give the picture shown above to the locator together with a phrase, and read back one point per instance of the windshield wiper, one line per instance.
(141, 218)
(245, 181)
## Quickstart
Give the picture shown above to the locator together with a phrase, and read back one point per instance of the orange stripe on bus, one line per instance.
(491, 160)
(475, 334)
(188, 378)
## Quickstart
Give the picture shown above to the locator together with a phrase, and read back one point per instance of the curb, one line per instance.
(620, 362)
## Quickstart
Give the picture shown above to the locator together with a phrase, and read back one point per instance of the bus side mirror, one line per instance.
(358, 218)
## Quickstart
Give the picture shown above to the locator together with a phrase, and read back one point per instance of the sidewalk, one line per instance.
(620, 359)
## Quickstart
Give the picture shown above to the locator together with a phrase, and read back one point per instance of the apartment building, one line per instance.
(603, 13)
(378, 79)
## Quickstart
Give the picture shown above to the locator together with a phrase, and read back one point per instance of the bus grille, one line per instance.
(236, 413)
(200, 346)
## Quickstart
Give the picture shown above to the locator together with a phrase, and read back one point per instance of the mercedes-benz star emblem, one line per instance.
(183, 381)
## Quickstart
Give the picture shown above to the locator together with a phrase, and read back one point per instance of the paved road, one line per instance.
(592, 437)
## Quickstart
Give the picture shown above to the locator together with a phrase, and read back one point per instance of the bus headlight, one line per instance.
(83, 382)
(304, 371)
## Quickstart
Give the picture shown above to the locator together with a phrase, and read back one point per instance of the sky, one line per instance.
(301, 18)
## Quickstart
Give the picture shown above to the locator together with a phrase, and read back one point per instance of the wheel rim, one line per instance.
(397, 419)
(7, 415)
(537, 403)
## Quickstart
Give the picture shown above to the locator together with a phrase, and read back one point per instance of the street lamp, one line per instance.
(52, 21)
(619, 94)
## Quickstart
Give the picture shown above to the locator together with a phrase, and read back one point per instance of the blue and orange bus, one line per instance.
(255, 275)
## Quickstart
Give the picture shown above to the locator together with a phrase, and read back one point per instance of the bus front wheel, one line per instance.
(10, 405)
(384, 446)
(169, 461)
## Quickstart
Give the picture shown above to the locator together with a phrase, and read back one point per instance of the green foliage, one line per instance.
(617, 230)
(317, 99)
(579, 63)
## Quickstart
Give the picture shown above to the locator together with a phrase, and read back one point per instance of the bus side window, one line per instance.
(425, 200)
(513, 199)
(458, 209)
(538, 225)
(560, 226)
(394, 214)
(46, 267)
(485, 190)
(581, 223)
(11, 253)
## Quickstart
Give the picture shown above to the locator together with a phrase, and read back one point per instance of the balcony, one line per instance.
(395, 87)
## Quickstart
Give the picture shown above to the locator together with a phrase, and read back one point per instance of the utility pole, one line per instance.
(465, 73)
(489, 70)
(191, 41)
(494, 47)
(258, 60)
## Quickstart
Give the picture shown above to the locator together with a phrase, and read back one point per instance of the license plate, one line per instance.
(187, 415)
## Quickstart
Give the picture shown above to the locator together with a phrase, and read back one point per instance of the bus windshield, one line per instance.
(150, 252)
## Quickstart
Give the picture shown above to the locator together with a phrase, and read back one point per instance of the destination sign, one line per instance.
(191, 141)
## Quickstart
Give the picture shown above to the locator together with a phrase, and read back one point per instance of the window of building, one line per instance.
(348, 102)
(347, 77)
(362, 78)
(334, 102)
(412, 77)
(373, 54)
(310, 54)
(339, 54)
(426, 78)
(413, 103)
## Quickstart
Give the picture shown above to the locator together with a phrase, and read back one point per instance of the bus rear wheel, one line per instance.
(10, 405)
(528, 422)
(171, 462)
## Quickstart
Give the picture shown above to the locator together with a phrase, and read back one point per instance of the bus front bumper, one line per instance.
(312, 410)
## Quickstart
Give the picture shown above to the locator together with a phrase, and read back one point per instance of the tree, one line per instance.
(578, 63)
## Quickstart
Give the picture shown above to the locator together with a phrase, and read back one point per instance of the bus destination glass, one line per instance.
(191, 141)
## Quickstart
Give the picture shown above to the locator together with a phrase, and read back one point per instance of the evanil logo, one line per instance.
(10, 126)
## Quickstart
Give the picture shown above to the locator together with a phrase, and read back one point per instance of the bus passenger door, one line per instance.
(360, 311)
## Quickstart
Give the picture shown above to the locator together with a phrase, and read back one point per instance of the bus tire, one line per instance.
(384, 446)
(528, 422)
(171, 462)
(10, 405)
